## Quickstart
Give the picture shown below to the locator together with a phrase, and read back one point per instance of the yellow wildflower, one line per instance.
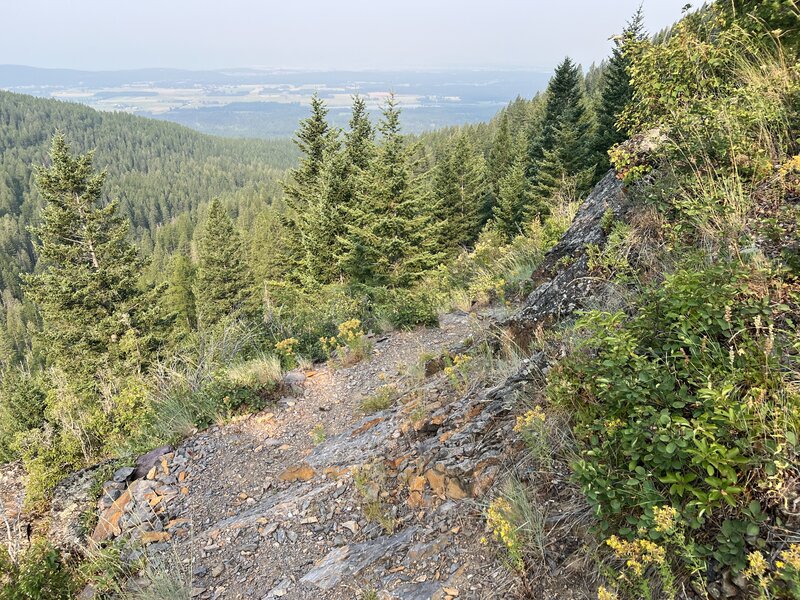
(605, 594)
(665, 518)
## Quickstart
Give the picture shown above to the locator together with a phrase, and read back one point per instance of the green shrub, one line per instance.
(22, 407)
(405, 309)
(684, 404)
(382, 399)
(39, 574)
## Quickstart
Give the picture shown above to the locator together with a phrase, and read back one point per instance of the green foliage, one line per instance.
(565, 133)
(676, 404)
(383, 398)
(389, 238)
(224, 282)
(616, 91)
(87, 292)
(39, 574)
(180, 298)
(22, 407)
(460, 193)
(513, 201)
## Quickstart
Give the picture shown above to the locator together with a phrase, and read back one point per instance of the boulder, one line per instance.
(72, 497)
(147, 461)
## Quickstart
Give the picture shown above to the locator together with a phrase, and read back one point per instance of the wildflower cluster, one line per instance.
(789, 568)
(457, 371)
(532, 428)
(500, 522)
(349, 346)
(785, 575)
(613, 426)
(639, 555)
(789, 173)
(757, 571)
(350, 331)
(287, 349)
(604, 593)
(665, 518)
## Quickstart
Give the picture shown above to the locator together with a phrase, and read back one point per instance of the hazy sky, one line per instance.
(315, 34)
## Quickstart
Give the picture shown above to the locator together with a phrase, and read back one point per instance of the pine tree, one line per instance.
(388, 240)
(324, 218)
(615, 91)
(314, 138)
(460, 192)
(87, 293)
(224, 284)
(565, 161)
(514, 199)
(180, 297)
(564, 106)
(322, 222)
(502, 153)
(360, 139)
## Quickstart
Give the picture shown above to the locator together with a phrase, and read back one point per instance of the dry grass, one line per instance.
(259, 372)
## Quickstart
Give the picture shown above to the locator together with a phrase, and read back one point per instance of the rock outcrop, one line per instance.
(563, 278)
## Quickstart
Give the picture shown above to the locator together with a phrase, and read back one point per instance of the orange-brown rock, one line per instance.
(336, 472)
(151, 537)
(455, 490)
(446, 435)
(302, 472)
(483, 478)
(436, 481)
(108, 524)
(366, 426)
(416, 487)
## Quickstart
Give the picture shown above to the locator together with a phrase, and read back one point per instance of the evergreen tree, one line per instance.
(566, 160)
(502, 153)
(615, 92)
(324, 217)
(564, 107)
(314, 139)
(388, 240)
(180, 294)
(460, 192)
(322, 221)
(224, 282)
(514, 199)
(87, 293)
(360, 139)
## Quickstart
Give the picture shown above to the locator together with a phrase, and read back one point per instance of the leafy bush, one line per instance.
(685, 404)
(39, 574)
(405, 309)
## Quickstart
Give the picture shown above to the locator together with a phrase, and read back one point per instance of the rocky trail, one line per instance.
(312, 499)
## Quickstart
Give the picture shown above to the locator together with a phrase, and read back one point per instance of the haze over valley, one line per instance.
(269, 103)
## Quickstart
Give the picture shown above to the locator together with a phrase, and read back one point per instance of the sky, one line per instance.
(316, 34)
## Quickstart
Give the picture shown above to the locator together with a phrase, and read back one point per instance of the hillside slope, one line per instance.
(159, 171)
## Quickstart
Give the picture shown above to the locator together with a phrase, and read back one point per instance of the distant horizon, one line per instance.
(466, 69)
(317, 35)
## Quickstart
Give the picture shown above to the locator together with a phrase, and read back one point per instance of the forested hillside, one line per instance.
(162, 174)
(642, 364)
